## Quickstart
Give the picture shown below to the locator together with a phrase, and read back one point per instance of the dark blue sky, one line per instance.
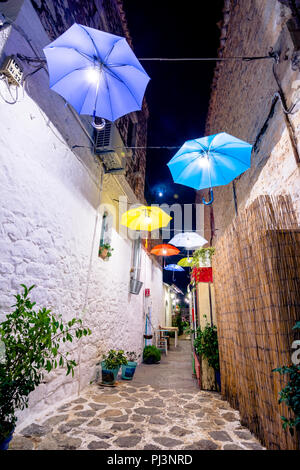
(178, 92)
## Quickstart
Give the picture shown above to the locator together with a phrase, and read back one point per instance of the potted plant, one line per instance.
(128, 369)
(30, 346)
(111, 363)
(206, 345)
(290, 394)
(105, 251)
(203, 256)
(148, 336)
(151, 355)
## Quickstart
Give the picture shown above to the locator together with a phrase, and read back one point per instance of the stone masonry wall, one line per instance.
(244, 103)
(50, 226)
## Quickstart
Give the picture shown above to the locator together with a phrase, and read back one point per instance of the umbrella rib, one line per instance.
(86, 56)
(112, 48)
(85, 97)
(93, 42)
(187, 152)
(124, 83)
(69, 73)
(230, 156)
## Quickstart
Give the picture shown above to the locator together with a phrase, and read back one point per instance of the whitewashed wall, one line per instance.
(48, 218)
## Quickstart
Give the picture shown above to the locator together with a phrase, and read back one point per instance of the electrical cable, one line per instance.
(14, 98)
(205, 59)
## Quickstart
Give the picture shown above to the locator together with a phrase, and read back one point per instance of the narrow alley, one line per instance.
(162, 408)
(149, 227)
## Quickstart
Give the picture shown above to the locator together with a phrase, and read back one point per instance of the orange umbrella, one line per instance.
(165, 250)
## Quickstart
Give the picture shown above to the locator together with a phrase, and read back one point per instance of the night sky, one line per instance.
(178, 92)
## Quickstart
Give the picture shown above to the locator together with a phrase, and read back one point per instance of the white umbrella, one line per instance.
(189, 240)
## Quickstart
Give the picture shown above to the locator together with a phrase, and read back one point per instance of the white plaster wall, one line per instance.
(48, 223)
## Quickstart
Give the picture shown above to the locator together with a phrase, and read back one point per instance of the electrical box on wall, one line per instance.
(12, 70)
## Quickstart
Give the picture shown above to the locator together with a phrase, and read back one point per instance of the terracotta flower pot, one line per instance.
(103, 253)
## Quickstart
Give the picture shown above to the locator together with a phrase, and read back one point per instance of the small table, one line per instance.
(171, 328)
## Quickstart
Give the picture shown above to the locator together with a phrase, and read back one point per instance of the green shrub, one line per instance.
(151, 354)
(290, 394)
(31, 343)
(206, 345)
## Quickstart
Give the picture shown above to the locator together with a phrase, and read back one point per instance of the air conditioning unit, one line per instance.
(110, 147)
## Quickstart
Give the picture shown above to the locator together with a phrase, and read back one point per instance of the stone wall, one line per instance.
(244, 103)
(50, 224)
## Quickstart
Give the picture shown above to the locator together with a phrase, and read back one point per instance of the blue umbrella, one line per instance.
(173, 267)
(96, 72)
(214, 160)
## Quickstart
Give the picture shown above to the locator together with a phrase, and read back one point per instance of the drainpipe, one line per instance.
(137, 252)
(135, 283)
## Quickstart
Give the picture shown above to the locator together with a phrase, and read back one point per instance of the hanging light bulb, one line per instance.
(93, 74)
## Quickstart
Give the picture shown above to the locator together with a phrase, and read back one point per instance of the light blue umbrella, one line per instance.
(173, 267)
(210, 161)
(96, 72)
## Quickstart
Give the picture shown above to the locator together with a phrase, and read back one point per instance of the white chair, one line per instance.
(161, 341)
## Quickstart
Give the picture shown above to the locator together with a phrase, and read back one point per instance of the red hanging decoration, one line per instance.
(202, 274)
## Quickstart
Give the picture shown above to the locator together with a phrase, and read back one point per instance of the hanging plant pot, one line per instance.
(148, 336)
(103, 253)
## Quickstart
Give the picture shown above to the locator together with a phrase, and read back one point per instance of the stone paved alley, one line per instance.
(162, 408)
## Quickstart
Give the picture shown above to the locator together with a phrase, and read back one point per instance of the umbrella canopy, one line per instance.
(96, 72)
(214, 160)
(189, 240)
(165, 250)
(173, 267)
(185, 262)
(145, 218)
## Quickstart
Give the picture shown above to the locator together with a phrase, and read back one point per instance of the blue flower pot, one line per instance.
(128, 370)
(109, 376)
(4, 444)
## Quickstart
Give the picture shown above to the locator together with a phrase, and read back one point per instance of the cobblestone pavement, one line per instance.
(162, 408)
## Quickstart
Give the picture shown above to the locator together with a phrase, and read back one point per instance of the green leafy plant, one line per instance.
(151, 354)
(290, 394)
(31, 341)
(202, 255)
(114, 359)
(105, 247)
(206, 344)
(177, 321)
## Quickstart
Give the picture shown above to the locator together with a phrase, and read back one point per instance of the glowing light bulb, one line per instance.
(189, 260)
(93, 75)
(204, 162)
(148, 220)
(164, 252)
(160, 194)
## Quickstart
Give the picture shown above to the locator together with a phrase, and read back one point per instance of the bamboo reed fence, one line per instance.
(256, 278)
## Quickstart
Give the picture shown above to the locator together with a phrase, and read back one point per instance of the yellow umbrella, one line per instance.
(145, 218)
(185, 262)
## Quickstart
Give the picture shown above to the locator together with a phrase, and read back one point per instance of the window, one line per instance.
(106, 228)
